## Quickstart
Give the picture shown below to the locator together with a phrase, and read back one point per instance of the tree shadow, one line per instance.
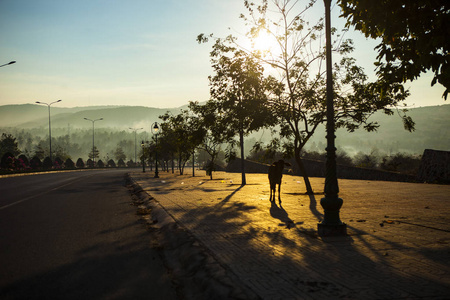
(313, 208)
(303, 266)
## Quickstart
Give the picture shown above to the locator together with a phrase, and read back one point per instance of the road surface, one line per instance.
(75, 235)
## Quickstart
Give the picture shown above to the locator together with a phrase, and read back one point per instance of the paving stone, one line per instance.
(397, 247)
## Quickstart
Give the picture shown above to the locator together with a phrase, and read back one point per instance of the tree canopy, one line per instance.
(414, 36)
(299, 92)
(238, 91)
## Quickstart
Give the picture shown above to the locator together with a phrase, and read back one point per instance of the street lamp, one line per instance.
(155, 131)
(10, 63)
(331, 203)
(135, 142)
(49, 124)
(93, 134)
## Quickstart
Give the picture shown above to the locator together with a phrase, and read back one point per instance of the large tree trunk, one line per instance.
(241, 142)
(302, 168)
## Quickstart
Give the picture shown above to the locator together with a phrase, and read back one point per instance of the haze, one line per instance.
(138, 52)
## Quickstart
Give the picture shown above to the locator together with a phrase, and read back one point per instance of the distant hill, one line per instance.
(432, 126)
(36, 116)
(432, 132)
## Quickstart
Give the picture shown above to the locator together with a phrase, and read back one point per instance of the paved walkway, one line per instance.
(398, 243)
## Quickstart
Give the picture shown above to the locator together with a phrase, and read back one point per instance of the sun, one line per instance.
(265, 43)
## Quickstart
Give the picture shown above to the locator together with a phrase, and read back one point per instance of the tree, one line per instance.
(47, 163)
(212, 130)
(299, 93)
(119, 154)
(181, 135)
(80, 163)
(58, 163)
(111, 163)
(35, 163)
(121, 163)
(414, 36)
(23, 162)
(90, 163)
(238, 89)
(68, 164)
(95, 154)
(9, 144)
(8, 161)
(100, 164)
(39, 151)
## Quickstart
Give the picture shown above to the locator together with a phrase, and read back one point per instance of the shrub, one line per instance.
(100, 164)
(47, 163)
(58, 163)
(401, 162)
(7, 161)
(80, 163)
(90, 163)
(111, 163)
(35, 163)
(121, 163)
(69, 164)
(23, 163)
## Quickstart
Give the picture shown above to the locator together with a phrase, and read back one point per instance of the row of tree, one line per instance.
(10, 163)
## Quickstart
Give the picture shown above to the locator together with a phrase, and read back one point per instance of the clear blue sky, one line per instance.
(134, 52)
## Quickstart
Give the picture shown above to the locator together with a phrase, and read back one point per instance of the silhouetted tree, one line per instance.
(90, 163)
(80, 163)
(47, 163)
(180, 136)
(39, 151)
(238, 90)
(100, 164)
(121, 163)
(69, 164)
(58, 163)
(211, 129)
(23, 162)
(119, 154)
(9, 144)
(414, 36)
(35, 163)
(95, 154)
(7, 162)
(401, 162)
(111, 163)
(298, 95)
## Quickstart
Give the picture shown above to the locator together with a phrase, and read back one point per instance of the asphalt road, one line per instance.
(75, 235)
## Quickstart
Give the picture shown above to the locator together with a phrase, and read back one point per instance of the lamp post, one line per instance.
(135, 143)
(10, 63)
(155, 131)
(49, 123)
(93, 139)
(331, 203)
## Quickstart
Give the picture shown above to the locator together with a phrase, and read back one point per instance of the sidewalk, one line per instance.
(398, 243)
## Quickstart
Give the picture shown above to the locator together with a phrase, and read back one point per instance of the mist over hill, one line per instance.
(117, 117)
(73, 135)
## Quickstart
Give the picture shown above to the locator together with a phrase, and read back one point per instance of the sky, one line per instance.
(134, 52)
